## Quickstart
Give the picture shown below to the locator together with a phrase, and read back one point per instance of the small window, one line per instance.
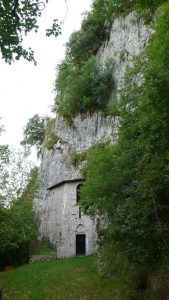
(78, 192)
(78, 197)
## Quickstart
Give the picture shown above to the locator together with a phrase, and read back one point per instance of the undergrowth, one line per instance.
(51, 137)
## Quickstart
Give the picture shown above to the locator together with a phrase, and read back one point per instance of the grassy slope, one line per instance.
(66, 279)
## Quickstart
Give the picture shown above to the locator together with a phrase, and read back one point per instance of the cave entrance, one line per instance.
(80, 244)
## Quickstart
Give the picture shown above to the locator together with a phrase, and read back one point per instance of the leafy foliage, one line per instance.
(84, 89)
(97, 23)
(81, 84)
(34, 132)
(17, 226)
(51, 137)
(144, 8)
(54, 30)
(77, 158)
(14, 173)
(94, 30)
(18, 18)
(135, 193)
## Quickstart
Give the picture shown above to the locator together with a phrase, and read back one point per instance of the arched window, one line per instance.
(78, 192)
(78, 197)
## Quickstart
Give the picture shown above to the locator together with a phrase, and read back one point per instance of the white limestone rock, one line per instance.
(56, 209)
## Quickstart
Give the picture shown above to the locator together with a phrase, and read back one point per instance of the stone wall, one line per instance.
(62, 221)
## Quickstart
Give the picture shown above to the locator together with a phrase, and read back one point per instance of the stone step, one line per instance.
(38, 258)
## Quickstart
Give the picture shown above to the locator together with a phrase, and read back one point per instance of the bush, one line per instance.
(34, 132)
(77, 158)
(51, 137)
(16, 256)
(94, 30)
(17, 226)
(83, 90)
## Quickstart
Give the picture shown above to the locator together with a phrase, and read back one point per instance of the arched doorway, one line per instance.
(80, 244)
(80, 240)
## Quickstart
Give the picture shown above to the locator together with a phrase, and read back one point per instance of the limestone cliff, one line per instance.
(128, 37)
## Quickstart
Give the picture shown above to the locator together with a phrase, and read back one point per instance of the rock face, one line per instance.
(128, 37)
(56, 205)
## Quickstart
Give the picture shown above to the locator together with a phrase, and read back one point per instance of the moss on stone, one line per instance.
(77, 158)
(51, 137)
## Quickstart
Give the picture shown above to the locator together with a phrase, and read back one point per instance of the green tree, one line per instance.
(14, 173)
(18, 18)
(84, 89)
(17, 226)
(34, 132)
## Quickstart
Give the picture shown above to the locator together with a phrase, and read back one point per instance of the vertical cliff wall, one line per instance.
(128, 37)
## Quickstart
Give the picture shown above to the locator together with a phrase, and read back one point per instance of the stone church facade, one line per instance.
(76, 232)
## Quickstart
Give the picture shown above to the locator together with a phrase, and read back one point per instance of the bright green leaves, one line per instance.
(84, 89)
(97, 191)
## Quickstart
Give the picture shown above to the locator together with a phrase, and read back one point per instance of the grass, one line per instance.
(66, 279)
(44, 251)
(41, 248)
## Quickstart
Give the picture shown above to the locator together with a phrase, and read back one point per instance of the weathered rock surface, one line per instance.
(128, 37)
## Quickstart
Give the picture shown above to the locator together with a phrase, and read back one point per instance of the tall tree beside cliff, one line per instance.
(129, 181)
(34, 132)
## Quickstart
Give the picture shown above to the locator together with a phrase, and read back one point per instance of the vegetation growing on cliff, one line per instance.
(77, 158)
(82, 84)
(83, 89)
(129, 181)
(34, 132)
(51, 137)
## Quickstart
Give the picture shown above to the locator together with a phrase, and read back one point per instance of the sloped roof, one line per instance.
(63, 182)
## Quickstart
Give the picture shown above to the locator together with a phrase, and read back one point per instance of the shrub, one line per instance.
(17, 226)
(34, 132)
(94, 30)
(77, 158)
(83, 90)
(51, 137)
(111, 109)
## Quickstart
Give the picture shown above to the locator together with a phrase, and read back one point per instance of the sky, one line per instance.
(25, 89)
